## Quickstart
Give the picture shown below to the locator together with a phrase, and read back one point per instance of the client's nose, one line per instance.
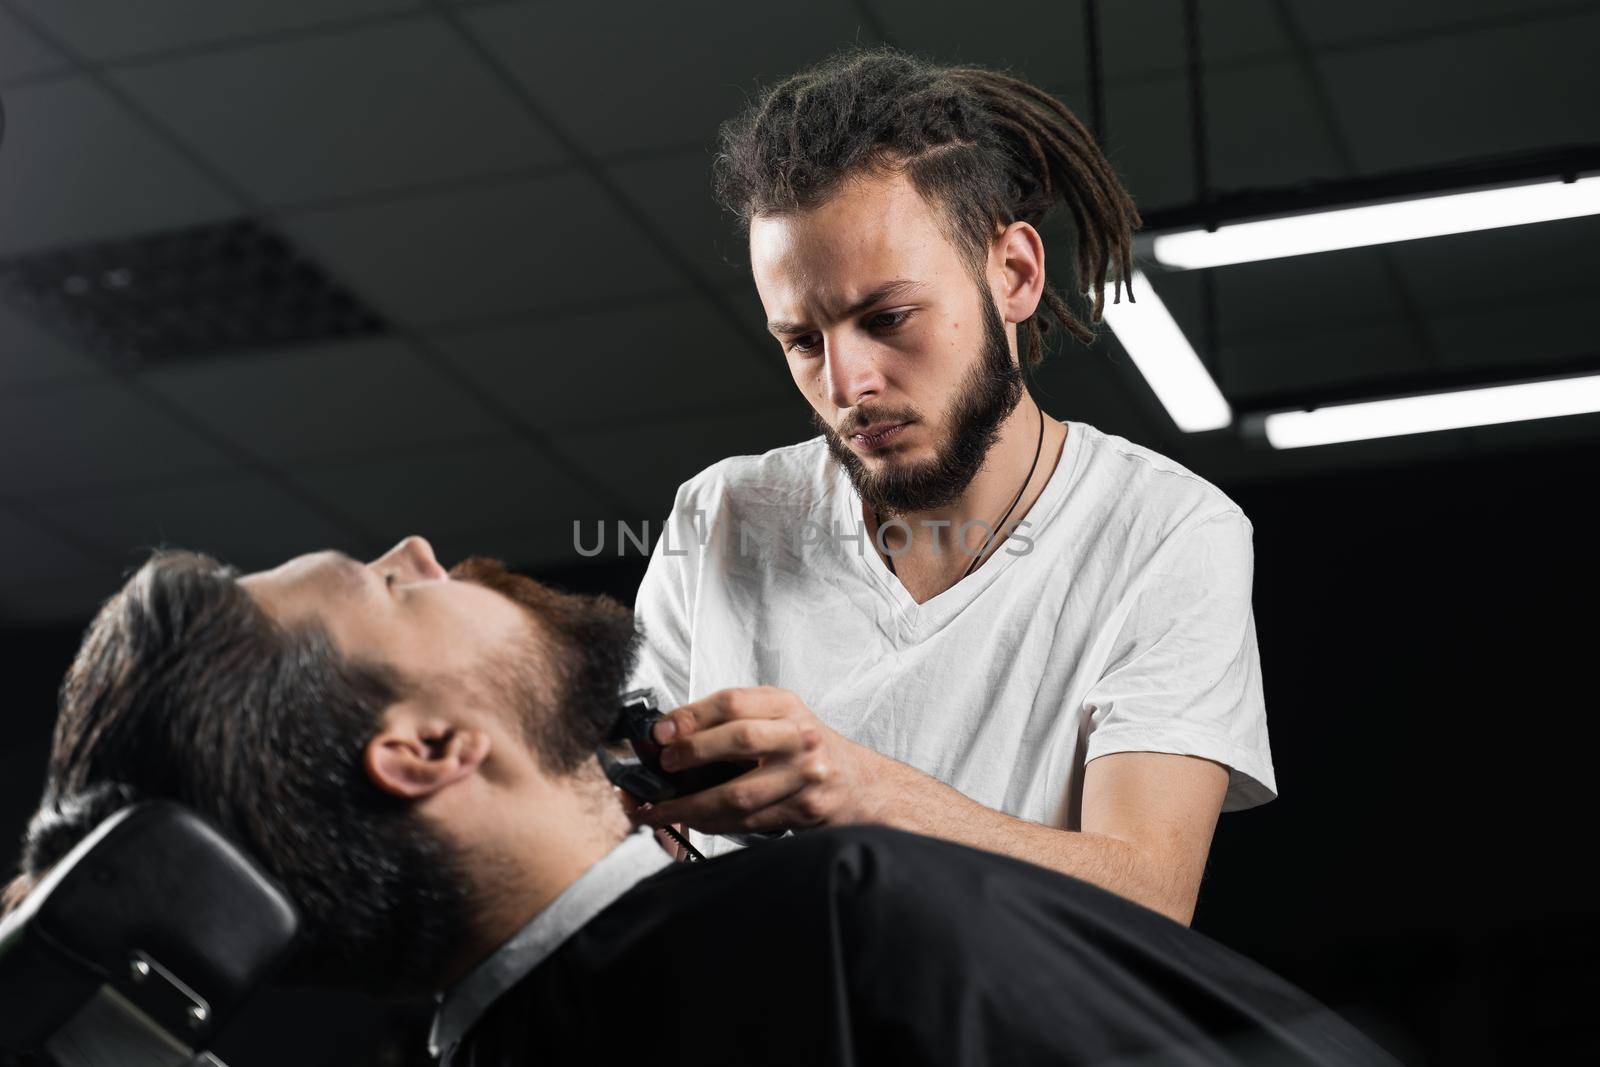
(412, 560)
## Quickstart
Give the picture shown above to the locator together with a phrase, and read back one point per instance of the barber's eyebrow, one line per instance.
(887, 291)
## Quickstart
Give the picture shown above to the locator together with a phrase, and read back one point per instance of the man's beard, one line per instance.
(561, 684)
(989, 393)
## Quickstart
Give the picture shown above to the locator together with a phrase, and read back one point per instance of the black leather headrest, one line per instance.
(155, 927)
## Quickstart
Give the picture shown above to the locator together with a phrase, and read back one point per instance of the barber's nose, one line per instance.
(853, 377)
(411, 560)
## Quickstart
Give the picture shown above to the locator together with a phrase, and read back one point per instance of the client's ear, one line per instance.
(417, 754)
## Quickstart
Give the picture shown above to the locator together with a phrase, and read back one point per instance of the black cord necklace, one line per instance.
(1037, 448)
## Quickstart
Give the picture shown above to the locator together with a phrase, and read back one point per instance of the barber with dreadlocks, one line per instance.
(950, 613)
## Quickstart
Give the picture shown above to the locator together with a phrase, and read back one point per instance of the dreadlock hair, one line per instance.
(985, 147)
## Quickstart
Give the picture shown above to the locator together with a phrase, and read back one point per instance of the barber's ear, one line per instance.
(1019, 256)
(416, 755)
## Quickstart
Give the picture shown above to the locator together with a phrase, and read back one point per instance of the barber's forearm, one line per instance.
(909, 800)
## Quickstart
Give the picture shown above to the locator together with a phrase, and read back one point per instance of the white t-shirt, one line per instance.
(1116, 619)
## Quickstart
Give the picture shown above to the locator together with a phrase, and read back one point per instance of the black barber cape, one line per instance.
(871, 946)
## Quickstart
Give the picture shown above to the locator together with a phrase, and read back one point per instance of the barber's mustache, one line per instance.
(864, 417)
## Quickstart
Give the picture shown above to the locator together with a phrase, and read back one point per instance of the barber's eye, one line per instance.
(388, 581)
(883, 321)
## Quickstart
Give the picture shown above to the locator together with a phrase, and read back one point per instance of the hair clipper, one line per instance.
(642, 777)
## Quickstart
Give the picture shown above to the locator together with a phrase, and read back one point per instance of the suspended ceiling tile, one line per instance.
(344, 113)
(31, 552)
(603, 369)
(179, 295)
(1052, 54)
(1138, 38)
(1357, 20)
(645, 463)
(1321, 358)
(493, 250)
(655, 94)
(90, 436)
(246, 521)
(675, 191)
(500, 484)
(1501, 267)
(327, 400)
(79, 167)
(1264, 128)
(1149, 142)
(1505, 90)
(1526, 336)
(1336, 289)
(29, 354)
(1146, 37)
(101, 31)
(23, 54)
(1310, 320)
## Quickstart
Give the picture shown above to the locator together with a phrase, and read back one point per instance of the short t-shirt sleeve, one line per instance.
(663, 607)
(1184, 674)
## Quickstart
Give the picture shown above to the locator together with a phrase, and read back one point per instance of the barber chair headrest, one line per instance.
(139, 944)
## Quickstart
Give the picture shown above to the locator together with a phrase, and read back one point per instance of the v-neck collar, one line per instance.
(944, 605)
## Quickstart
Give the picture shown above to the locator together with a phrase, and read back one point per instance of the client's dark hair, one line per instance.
(185, 689)
(987, 148)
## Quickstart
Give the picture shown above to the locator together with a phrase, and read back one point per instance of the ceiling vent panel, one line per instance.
(187, 294)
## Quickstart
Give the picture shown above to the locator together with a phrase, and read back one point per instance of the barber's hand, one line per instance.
(636, 812)
(805, 775)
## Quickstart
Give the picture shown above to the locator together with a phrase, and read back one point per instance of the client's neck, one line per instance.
(538, 846)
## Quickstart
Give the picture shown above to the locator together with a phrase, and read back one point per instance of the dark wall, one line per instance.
(1428, 649)
(1428, 642)
(32, 663)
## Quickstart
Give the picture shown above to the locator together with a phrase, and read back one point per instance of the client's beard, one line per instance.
(989, 393)
(562, 683)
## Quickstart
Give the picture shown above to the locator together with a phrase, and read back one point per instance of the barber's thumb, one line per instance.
(630, 806)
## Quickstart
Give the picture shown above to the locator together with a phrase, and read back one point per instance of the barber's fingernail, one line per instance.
(664, 731)
(669, 759)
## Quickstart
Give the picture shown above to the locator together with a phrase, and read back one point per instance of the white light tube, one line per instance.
(1167, 361)
(1486, 406)
(1372, 224)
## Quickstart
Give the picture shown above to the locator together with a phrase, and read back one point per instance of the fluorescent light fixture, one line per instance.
(1167, 360)
(1487, 406)
(1372, 224)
